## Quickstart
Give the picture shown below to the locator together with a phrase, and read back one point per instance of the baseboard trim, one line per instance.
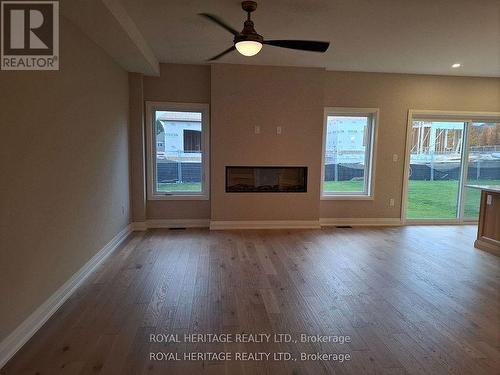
(12, 343)
(330, 222)
(139, 226)
(170, 223)
(179, 223)
(264, 224)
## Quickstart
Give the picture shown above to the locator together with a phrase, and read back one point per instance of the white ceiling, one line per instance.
(396, 36)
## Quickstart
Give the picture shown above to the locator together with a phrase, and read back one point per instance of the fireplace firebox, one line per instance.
(249, 179)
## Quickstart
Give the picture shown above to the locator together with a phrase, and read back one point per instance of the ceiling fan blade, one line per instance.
(304, 45)
(219, 22)
(230, 49)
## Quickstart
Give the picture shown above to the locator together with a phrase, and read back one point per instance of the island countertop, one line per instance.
(490, 188)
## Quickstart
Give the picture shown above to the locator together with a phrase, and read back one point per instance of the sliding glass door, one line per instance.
(483, 159)
(435, 168)
(446, 155)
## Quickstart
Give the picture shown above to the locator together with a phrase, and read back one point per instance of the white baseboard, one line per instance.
(168, 223)
(138, 226)
(12, 343)
(178, 223)
(330, 222)
(264, 224)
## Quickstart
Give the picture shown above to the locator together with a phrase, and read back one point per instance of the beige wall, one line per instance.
(180, 84)
(244, 96)
(137, 148)
(394, 95)
(63, 170)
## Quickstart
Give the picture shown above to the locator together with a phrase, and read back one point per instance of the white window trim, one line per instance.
(368, 194)
(205, 155)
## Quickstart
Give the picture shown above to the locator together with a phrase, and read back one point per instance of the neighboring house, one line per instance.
(160, 142)
(442, 141)
(180, 140)
(345, 140)
(436, 137)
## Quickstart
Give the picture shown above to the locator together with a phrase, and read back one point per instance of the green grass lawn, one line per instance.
(438, 199)
(432, 199)
(343, 186)
(428, 199)
(185, 186)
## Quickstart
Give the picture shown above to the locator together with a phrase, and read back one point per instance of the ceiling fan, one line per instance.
(249, 43)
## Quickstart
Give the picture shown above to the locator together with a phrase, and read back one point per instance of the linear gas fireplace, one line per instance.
(266, 179)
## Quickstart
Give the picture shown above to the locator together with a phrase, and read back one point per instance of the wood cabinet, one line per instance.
(488, 233)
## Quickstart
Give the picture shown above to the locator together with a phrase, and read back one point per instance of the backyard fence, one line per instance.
(343, 172)
(481, 170)
(175, 172)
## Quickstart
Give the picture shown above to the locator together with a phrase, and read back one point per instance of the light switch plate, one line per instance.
(257, 129)
(278, 130)
(395, 157)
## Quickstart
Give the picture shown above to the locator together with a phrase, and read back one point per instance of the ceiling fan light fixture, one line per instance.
(248, 47)
(249, 43)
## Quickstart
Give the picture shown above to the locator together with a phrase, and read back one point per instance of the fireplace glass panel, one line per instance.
(266, 179)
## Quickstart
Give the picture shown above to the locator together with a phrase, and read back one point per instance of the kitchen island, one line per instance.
(488, 232)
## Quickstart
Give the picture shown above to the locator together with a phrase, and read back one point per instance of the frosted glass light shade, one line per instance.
(248, 47)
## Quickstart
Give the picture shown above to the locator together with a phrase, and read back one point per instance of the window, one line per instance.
(348, 153)
(192, 140)
(178, 156)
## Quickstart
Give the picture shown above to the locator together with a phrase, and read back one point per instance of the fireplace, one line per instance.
(266, 179)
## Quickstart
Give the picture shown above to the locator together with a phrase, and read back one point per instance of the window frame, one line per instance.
(370, 156)
(203, 108)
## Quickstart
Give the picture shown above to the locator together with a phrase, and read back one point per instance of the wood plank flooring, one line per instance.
(413, 300)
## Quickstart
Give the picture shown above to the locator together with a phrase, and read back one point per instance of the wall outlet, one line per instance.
(391, 202)
(257, 129)
(278, 130)
(395, 157)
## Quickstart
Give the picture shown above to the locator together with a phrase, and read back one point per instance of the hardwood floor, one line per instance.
(413, 300)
